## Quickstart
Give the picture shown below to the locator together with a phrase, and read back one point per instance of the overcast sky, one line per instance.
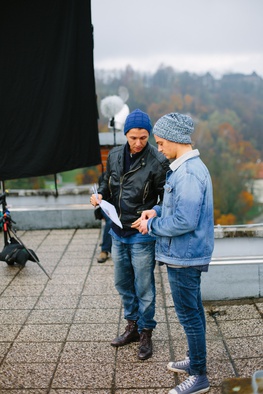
(219, 36)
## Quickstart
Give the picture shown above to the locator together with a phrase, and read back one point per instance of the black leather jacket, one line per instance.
(138, 189)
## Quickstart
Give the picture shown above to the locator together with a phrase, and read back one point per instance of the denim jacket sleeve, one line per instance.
(183, 199)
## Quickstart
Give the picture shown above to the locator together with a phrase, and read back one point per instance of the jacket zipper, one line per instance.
(145, 193)
(121, 182)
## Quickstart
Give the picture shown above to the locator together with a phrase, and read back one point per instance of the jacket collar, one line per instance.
(189, 155)
(134, 155)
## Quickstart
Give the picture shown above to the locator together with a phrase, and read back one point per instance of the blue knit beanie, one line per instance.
(175, 127)
(137, 120)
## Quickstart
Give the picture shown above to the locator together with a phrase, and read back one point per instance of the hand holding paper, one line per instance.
(108, 208)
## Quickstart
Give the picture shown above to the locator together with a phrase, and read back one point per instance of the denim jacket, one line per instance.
(184, 225)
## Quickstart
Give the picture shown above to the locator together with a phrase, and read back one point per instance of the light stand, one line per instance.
(112, 125)
(115, 109)
(3, 210)
(8, 229)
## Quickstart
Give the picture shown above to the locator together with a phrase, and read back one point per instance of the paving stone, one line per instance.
(34, 352)
(26, 376)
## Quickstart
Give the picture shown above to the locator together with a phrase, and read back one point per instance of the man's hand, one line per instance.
(143, 227)
(136, 224)
(150, 213)
(95, 199)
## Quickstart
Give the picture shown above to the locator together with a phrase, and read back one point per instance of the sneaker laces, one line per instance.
(188, 383)
(183, 363)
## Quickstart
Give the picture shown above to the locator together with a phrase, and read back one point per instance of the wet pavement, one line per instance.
(55, 334)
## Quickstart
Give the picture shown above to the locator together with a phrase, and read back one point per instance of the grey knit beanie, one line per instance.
(175, 127)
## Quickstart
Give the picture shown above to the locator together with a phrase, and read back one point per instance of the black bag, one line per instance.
(98, 213)
(14, 252)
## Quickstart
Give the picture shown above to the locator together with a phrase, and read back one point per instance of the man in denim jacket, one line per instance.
(184, 227)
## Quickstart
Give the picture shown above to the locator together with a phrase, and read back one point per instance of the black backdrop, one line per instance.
(48, 109)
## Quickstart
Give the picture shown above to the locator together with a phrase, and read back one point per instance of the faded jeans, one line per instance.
(186, 293)
(106, 238)
(134, 279)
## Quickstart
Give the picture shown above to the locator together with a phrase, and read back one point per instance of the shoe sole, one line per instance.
(199, 391)
(145, 358)
(124, 344)
(102, 260)
(202, 390)
(177, 369)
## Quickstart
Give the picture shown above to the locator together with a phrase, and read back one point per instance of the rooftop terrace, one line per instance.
(55, 334)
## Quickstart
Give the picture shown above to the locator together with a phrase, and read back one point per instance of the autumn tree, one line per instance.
(227, 154)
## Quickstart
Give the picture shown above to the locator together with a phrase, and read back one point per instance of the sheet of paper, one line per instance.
(108, 208)
(111, 212)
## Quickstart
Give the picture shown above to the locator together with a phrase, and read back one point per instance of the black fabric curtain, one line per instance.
(48, 108)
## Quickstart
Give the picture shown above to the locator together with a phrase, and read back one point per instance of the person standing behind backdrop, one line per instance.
(133, 182)
(184, 227)
(106, 237)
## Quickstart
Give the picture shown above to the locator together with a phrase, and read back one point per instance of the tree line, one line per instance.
(228, 113)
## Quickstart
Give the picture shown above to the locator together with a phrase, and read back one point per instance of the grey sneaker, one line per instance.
(194, 384)
(179, 366)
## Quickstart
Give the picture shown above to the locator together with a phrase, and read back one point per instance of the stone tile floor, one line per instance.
(55, 334)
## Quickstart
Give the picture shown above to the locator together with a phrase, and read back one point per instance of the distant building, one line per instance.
(258, 183)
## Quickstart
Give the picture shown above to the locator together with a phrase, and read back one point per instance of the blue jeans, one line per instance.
(134, 279)
(106, 238)
(186, 293)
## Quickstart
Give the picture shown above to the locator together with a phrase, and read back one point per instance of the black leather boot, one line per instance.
(130, 335)
(146, 347)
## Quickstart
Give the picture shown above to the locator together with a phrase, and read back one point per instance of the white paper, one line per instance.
(108, 208)
(111, 212)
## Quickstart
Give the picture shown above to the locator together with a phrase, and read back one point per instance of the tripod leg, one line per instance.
(31, 254)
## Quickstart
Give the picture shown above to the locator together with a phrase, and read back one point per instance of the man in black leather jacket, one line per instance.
(133, 182)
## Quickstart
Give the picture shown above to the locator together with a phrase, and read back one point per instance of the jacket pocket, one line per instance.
(168, 196)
